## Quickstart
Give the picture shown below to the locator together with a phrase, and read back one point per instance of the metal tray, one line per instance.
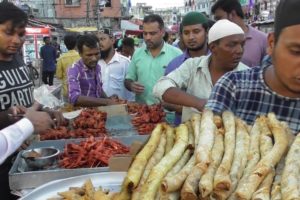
(110, 180)
(20, 177)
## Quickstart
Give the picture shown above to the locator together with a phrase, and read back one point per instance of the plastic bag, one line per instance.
(44, 95)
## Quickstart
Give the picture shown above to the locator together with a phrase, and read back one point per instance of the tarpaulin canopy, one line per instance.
(127, 25)
(82, 29)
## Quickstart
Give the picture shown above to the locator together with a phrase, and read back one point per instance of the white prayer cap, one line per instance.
(223, 28)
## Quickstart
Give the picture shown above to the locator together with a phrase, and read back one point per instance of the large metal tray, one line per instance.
(20, 178)
(110, 180)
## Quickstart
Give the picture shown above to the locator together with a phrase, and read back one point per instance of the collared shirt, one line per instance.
(13, 136)
(146, 69)
(48, 54)
(176, 62)
(84, 81)
(113, 75)
(247, 95)
(64, 61)
(192, 76)
(255, 47)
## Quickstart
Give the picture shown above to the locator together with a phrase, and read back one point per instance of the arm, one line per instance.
(131, 78)
(59, 69)
(179, 97)
(93, 102)
(12, 137)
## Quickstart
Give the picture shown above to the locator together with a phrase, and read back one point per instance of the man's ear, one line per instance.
(271, 43)
(212, 47)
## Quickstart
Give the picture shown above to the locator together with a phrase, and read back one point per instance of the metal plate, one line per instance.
(20, 178)
(109, 180)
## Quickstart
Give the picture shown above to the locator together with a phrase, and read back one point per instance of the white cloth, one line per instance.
(113, 74)
(193, 77)
(12, 137)
(223, 28)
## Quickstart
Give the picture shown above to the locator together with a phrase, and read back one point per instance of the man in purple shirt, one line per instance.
(194, 33)
(256, 41)
(84, 76)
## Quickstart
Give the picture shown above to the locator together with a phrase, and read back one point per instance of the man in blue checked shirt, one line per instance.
(272, 88)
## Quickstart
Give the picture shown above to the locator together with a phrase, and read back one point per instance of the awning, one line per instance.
(82, 29)
(127, 25)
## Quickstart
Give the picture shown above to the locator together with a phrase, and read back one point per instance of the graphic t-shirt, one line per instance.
(16, 87)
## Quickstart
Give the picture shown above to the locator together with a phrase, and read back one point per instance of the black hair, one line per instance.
(45, 38)
(210, 23)
(89, 40)
(10, 12)
(128, 42)
(70, 41)
(228, 6)
(287, 14)
(154, 18)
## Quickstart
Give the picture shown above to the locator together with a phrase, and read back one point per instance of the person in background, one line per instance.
(148, 63)
(179, 41)
(194, 36)
(48, 54)
(56, 45)
(191, 84)
(272, 88)
(256, 41)
(66, 60)
(114, 67)
(84, 76)
(127, 48)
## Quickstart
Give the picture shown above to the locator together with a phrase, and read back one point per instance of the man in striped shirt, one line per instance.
(84, 77)
(274, 88)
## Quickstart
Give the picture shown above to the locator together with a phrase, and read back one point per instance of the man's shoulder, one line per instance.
(172, 49)
(240, 76)
(122, 58)
(258, 34)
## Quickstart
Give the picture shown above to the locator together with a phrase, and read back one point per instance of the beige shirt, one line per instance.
(192, 76)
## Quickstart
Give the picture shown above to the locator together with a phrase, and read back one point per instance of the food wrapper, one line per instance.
(45, 96)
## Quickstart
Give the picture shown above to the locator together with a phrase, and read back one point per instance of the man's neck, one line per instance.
(5, 57)
(242, 24)
(155, 52)
(216, 70)
(272, 80)
(198, 53)
(110, 55)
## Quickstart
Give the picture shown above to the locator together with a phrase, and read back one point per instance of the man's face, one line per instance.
(229, 50)
(221, 14)
(47, 41)
(11, 39)
(194, 36)
(106, 42)
(153, 35)
(90, 56)
(286, 58)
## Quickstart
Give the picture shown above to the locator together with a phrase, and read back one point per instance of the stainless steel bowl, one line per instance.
(41, 158)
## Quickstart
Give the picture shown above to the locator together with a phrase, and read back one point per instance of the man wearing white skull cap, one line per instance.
(191, 84)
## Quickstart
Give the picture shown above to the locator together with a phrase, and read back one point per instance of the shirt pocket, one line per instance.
(116, 81)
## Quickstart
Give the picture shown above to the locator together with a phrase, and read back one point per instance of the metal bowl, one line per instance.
(40, 158)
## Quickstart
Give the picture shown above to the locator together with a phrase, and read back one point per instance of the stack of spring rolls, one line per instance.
(216, 157)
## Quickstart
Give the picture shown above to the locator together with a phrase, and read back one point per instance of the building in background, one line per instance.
(140, 10)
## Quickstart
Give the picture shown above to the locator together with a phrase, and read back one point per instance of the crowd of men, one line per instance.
(220, 69)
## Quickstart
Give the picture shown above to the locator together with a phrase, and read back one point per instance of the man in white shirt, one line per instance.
(13, 136)
(114, 67)
(190, 85)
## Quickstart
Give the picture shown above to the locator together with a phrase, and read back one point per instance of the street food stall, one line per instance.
(220, 155)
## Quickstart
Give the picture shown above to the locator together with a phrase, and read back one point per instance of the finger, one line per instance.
(14, 110)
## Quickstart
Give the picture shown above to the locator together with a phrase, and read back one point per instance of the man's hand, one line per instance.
(56, 115)
(137, 87)
(14, 111)
(41, 120)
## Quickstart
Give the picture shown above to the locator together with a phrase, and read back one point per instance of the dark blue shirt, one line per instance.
(48, 54)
